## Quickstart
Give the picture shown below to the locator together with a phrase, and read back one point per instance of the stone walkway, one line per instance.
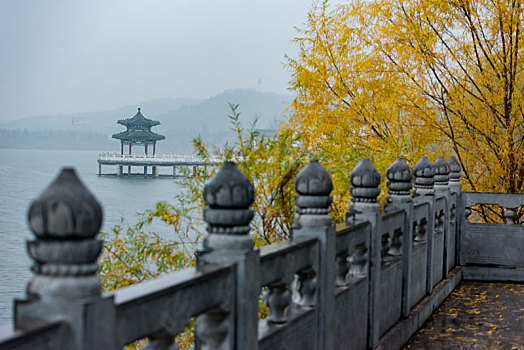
(476, 316)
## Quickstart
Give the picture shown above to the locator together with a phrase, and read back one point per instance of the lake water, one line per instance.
(24, 174)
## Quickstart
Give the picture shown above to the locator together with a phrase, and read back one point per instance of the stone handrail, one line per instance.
(368, 283)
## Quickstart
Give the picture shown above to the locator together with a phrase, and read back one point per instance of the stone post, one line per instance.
(457, 215)
(313, 186)
(229, 195)
(365, 181)
(65, 220)
(399, 176)
(423, 192)
(442, 189)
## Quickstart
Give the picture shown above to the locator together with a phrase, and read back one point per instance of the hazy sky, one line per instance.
(64, 56)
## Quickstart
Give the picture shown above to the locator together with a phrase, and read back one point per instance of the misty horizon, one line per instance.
(63, 58)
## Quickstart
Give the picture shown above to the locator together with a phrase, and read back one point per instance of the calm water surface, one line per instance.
(24, 174)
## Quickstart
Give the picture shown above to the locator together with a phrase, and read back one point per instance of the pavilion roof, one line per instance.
(138, 135)
(138, 120)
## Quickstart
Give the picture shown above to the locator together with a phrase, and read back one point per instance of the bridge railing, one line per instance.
(369, 282)
(188, 158)
(492, 251)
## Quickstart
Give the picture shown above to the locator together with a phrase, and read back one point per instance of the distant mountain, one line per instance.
(181, 120)
(100, 121)
(209, 119)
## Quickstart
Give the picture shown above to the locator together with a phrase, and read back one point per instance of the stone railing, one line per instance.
(369, 283)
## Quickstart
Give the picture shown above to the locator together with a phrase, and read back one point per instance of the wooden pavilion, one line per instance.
(139, 133)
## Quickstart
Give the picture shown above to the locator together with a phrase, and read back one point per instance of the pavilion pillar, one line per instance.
(146, 149)
(130, 143)
(154, 148)
(121, 148)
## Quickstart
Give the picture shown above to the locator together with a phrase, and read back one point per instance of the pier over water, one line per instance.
(155, 161)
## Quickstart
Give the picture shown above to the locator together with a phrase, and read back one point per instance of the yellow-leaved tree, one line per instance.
(385, 78)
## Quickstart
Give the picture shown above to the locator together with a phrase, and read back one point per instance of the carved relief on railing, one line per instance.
(343, 266)
(386, 245)
(352, 260)
(352, 267)
(359, 263)
(439, 222)
(392, 236)
(396, 243)
(420, 229)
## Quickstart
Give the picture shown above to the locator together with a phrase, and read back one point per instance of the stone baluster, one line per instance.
(509, 214)
(313, 186)
(65, 220)
(365, 181)
(343, 267)
(359, 262)
(277, 300)
(424, 192)
(228, 196)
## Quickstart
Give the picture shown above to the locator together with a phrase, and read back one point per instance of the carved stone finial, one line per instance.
(423, 173)
(66, 209)
(65, 220)
(399, 175)
(441, 172)
(455, 169)
(229, 195)
(313, 185)
(365, 181)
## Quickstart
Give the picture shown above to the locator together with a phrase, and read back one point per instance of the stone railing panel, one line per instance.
(391, 274)
(439, 237)
(165, 305)
(290, 300)
(419, 254)
(493, 251)
(352, 292)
